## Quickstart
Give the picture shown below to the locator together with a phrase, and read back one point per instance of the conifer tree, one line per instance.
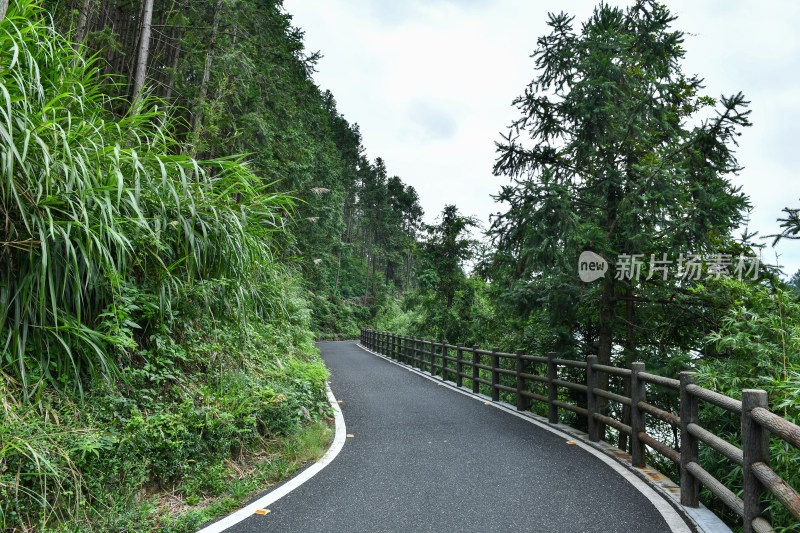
(617, 151)
(447, 247)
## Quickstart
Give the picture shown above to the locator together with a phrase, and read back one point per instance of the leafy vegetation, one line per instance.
(159, 295)
(105, 226)
(151, 340)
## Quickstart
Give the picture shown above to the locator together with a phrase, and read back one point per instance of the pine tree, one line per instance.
(447, 246)
(621, 157)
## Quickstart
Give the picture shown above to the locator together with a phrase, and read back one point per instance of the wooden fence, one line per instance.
(757, 421)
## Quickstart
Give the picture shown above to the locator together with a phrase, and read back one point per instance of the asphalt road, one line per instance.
(426, 458)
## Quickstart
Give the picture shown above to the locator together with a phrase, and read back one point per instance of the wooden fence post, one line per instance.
(755, 448)
(495, 375)
(638, 394)
(444, 360)
(552, 390)
(522, 403)
(689, 445)
(476, 359)
(459, 365)
(433, 357)
(591, 398)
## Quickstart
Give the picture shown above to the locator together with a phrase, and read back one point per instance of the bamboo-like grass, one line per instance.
(103, 222)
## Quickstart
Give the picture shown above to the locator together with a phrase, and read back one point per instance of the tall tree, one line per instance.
(144, 51)
(612, 164)
(83, 21)
(447, 247)
(197, 115)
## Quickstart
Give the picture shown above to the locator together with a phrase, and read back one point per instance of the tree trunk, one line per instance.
(119, 27)
(3, 8)
(338, 269)
(369, 254)
(173, 62)
(374, 275)
(197, 119)
(605, 340)
(83, 22)
(348, 218)
(360, 241)
(144, 49)
(608, 299)
(630, 358)
(159, 51)
(408, 268)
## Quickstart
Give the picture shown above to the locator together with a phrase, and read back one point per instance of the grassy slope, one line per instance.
(153, 356)
(210, 416)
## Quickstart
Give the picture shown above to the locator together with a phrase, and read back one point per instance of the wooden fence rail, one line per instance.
(758, 423)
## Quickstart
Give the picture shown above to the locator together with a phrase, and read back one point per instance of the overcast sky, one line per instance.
(430, 83)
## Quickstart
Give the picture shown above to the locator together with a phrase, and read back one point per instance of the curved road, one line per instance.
(426, 458)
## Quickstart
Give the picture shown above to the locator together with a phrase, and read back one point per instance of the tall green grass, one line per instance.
(102, 222)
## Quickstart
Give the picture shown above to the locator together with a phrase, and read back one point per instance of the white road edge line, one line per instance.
(670, 515)
(340, 437)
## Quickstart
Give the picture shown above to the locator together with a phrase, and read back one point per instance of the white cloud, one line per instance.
(431, 83)
(433, 123)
